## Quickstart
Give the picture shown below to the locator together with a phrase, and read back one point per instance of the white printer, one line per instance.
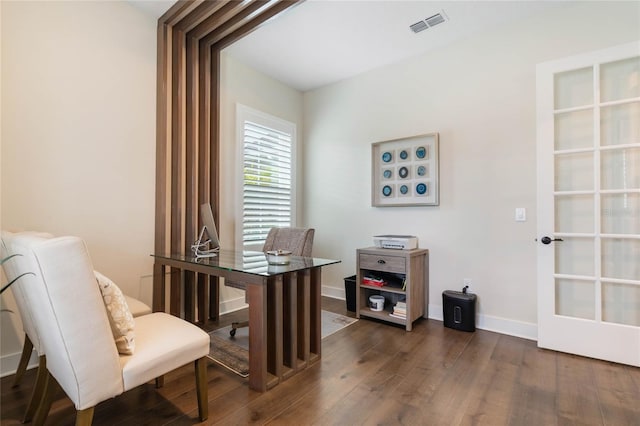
(398, 242)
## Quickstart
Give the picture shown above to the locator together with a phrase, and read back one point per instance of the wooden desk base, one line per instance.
(284, 318)
(289, 324)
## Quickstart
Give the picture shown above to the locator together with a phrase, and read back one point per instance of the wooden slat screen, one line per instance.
(190, 37)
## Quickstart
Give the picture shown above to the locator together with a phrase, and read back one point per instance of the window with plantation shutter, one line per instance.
(268, 183)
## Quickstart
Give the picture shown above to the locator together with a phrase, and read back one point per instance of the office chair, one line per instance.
(299, 241)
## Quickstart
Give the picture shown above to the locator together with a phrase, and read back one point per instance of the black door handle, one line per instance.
(547, 240)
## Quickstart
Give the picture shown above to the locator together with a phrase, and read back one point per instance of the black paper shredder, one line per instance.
(459, 310)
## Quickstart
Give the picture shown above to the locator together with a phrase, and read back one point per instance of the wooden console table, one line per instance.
(284, 308)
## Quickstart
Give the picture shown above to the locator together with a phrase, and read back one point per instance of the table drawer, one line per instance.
(383, 263)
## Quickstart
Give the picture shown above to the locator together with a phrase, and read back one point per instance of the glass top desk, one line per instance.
(284, 307)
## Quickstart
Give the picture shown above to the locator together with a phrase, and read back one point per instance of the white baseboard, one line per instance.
(525, 330)
(333, 292)
(9, 363)
(232, 305)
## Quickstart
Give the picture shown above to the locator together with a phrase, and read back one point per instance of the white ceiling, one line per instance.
(319, 42)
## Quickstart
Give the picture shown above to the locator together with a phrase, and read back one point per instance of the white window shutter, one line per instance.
(268, 187)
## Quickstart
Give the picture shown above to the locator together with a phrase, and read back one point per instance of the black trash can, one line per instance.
(350, 292)
(459, 310)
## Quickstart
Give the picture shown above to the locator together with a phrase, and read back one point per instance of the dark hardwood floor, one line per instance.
(374, 373)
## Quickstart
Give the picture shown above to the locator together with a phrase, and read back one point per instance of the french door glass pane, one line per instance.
(575, 298)
(574, 213)
(620, 214)
(620, 258)
(574, 172)
(620, 124)
(574, 130)
(620, 80)
(575, 256)
(573, 88)
(620, 168)
(621, 303)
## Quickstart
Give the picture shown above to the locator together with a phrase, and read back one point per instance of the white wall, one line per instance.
(479, 94)
(78, 134)
(240, 84)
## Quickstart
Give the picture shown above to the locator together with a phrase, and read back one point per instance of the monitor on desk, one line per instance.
(209, 225)
(209, 246)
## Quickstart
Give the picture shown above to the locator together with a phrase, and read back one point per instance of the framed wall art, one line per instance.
(405, 172)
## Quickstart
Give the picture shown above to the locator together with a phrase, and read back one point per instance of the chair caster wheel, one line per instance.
(232, 332)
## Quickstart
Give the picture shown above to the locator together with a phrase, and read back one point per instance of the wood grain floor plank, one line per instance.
(449, 406)
(373, 373)
(533, 401)
(577, 397)
(617, 392)
(490, 397)
(336, 394)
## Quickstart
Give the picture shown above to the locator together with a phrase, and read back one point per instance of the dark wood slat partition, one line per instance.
(190, 37)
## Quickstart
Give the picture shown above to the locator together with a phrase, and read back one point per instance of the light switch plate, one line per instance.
(521, 214)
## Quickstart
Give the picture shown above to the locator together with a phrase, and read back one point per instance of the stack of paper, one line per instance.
(400, 310)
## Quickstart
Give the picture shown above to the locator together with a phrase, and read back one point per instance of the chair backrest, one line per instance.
(299, 241)
(70, 317)
(12, 269)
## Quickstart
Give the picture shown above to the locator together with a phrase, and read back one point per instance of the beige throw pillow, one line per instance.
(120, 317)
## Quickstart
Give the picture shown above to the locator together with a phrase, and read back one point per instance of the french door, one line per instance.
(588, 112)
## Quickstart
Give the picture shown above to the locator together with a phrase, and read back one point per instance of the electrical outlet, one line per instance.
(467, 282)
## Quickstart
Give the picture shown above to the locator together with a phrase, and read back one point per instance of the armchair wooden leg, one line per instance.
(38, 389)
(49, 389)
(27, 348)
(159, 382)
(84, 417)
(202, 388)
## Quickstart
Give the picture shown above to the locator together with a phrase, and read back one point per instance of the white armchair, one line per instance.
(31, 338)
(76, 336)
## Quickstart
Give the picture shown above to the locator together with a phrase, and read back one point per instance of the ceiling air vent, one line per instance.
(435, 20)
(418, 26)
(429, 22)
